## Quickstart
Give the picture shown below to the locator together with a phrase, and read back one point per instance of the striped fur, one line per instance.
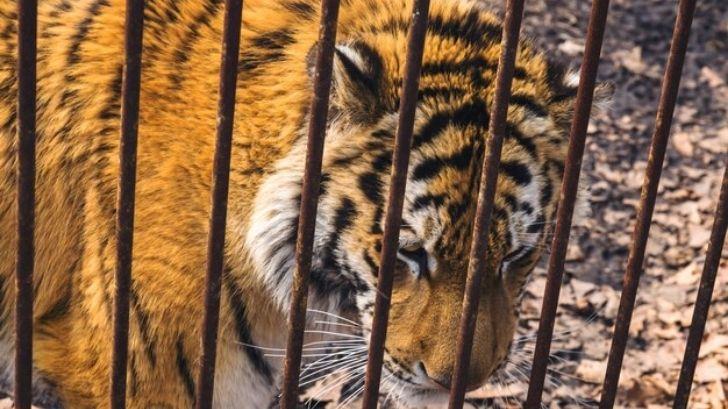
(79, 83)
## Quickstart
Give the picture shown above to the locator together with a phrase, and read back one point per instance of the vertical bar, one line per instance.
(26, 72)
(569, 187)
(125, 197)
(309, 200)
(668, 97)
(219, 197)
(489, 178)
(705, 293)
(395, 201)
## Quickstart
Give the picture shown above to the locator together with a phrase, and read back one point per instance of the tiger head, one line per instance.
(455, 96)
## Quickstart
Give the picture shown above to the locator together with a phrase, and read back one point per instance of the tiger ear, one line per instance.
(564, 85)
(356, 81)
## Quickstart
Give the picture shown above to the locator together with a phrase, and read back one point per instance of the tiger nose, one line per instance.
(443, 378)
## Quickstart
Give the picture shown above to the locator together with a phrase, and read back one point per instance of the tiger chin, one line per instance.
(79, 83)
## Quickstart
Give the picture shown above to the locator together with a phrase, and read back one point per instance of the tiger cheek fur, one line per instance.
(79, 83)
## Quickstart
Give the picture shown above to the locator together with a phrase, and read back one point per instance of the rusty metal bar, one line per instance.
(479, 247)
(663, 121)
(125, 197)
(219, 199)
(705, 294)
(26, 72)
(309, 200)
(395, 201)
(569, 188)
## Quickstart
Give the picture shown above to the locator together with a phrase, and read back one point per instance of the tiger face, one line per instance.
(455, 96)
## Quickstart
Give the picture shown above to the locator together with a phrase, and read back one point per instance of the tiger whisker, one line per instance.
(348, 365)
(337, 334)
(332, 315)
(352, 397)
(336, 324)
(336, 341)
(346, 377)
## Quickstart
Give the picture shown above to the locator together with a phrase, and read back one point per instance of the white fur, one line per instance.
(237, 383)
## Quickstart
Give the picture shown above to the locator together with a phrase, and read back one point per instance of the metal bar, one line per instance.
(309, 200)
(395, 201)
(125, 197)
(26, 72)
(663, 121)
(479, 246)
(569, 188)
(705, 294)
(219, 199)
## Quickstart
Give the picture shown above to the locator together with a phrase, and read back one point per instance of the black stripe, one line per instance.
(345, 215)
(474, 67)
(499, 213)
(143, 322)
(172, 13)
(527, 208)
(157, 19)
(182, 53)
(474, 113)
(112, 110)
(382, 162)
(377, 219)
(370, 262)
(558, 165)
(63, 304)
(517, 171)
(324, 182)
(525, 142)
(242, 326)
(82, 30)
(183, 368)
(250, 60)
(440, 92)
(536, 226)
(133, 374)
(471, 29)
(528, 103)
(457, 209)
(524, 257)
(302, 9)
(370, 184)
(343, 218)
(427, 200)
(270, 45)
(431, 167)
(511, 201)
(273, 40)
(509, 240)
(368, 79)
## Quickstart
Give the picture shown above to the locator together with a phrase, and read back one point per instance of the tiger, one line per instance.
(79, 82)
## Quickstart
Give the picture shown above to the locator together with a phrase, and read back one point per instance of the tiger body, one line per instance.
(80, 58)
